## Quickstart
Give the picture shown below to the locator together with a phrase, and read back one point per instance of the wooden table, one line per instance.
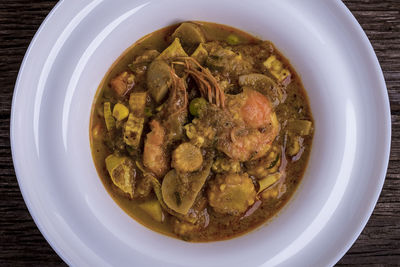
(22, 244)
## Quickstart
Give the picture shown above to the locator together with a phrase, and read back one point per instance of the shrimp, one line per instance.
(174, 114)
(154, 157)
(256, 126)
(256, 111)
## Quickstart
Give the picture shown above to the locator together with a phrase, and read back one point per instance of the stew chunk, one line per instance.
(231, 193)
(154, 155)
(123, 83)
(187, 158)
(122, 173)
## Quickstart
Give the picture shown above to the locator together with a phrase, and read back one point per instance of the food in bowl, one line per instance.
(201, 131)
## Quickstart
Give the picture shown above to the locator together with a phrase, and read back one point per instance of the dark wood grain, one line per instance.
(21, 243)
(379, 243)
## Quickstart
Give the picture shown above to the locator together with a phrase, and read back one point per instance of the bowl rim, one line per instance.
(374, 64)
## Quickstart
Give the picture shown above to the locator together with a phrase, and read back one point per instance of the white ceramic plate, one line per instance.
(69, 56)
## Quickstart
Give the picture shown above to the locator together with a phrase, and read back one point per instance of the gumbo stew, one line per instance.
(201, 131)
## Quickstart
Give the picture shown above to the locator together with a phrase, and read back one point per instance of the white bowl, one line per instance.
(69, 56)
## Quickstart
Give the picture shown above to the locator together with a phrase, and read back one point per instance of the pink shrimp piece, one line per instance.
(154, 157)
(256, 111)
(243, 147)
(258, 127)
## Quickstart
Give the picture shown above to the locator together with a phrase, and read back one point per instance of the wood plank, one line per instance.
(21, 242)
